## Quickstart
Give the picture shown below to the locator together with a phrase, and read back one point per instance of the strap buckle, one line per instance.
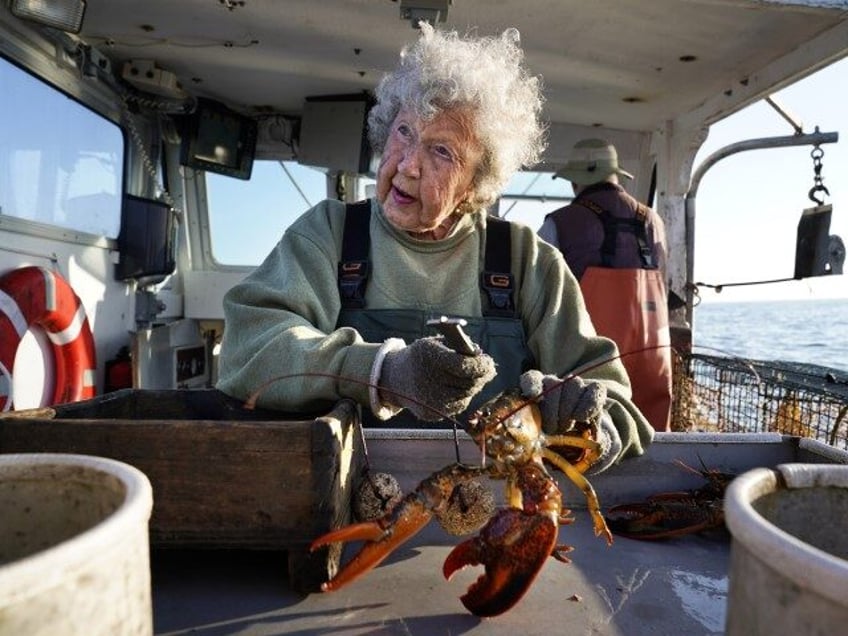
(352, 278)
(498, 287)
(646, 255)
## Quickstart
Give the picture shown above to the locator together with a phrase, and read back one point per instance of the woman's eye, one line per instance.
(404, 131)
(444, 152)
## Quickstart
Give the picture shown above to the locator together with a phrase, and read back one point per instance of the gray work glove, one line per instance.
(433, 375)
(562, 403)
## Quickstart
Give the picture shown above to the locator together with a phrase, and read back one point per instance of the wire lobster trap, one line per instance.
(736, 395)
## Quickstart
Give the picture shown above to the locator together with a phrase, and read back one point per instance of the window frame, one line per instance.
(91, 100)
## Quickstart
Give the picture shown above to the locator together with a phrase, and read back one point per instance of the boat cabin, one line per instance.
(152, 153)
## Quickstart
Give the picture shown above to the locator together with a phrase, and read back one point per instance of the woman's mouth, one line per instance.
(401, 197)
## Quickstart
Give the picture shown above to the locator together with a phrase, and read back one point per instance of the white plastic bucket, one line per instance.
(789, 552)
(74, 550)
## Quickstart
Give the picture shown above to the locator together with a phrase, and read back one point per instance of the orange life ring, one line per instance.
(35, 296)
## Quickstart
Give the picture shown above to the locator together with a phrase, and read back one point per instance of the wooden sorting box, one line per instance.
(222, 476)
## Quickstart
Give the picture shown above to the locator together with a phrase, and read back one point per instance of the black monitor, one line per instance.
(333, 133)
(220, 140)
(147, 242)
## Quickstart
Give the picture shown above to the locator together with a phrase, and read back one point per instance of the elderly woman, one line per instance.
(346, 295)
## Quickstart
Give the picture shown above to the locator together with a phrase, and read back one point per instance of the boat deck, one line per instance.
(677, 586)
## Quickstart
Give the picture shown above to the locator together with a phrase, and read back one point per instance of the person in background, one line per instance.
(346, 296)
(616, 247)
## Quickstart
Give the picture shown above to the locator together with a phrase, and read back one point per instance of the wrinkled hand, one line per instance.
(575, 400)
(433, 375)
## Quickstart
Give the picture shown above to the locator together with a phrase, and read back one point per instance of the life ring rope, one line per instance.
(36, 296)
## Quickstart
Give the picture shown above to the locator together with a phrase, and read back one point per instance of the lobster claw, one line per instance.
(382, 537)
(513, 547)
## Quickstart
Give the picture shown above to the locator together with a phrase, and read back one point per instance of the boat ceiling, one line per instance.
(629, 64)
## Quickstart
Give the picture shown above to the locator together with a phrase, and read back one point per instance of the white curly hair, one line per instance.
(443, 71)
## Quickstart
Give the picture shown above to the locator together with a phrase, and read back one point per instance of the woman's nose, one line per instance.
(409, 164)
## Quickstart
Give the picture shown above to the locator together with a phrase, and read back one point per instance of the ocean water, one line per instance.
(811, 331)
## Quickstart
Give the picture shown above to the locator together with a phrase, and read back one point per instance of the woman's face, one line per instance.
(426, 170)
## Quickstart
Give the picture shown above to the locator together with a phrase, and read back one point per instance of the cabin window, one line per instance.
(61, 164)
(530, 196)
(248, 218)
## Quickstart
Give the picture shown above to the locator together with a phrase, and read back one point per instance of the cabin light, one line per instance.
(431, 11)
(65, 15)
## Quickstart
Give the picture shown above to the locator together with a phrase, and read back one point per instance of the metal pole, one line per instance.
(811, 139)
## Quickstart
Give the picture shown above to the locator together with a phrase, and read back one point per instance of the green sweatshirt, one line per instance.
(281, 319)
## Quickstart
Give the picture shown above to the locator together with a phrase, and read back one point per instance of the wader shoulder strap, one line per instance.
(355, 266)
(496, 280)
(646, 252)
(612, 225)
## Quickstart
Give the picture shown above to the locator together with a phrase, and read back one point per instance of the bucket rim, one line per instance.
(33, 574)
(802, 563)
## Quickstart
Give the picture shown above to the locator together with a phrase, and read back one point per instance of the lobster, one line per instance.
(516, 540)
(674, 514)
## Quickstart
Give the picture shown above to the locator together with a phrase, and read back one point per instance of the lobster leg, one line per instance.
(581, 482)
(386, 534)
(591, 448)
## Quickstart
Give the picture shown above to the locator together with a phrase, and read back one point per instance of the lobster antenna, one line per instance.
(361, 431)
(743, 361)
(456, 440)
(586, 367)
(250, 403)
(689, 468)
